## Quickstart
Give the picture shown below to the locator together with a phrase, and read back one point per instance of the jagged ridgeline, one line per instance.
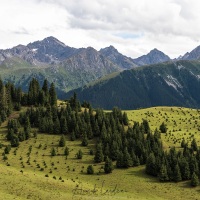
(117, 142)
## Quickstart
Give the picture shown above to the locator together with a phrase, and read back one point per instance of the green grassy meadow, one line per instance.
(30, 172)
(181, 123)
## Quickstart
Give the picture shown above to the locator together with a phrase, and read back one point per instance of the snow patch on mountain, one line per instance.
(180, 66)
(173, 82)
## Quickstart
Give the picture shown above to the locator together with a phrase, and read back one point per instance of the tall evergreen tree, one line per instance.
(52, 95)
(108, 167)
(62, 141)
(194, 180)
(99, 154)
(151, 165)
(163, 128)
(177, 174)
(194, 146)
(27, 128)
(163, 175)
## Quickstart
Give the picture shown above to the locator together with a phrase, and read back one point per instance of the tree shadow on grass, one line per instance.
(142, 174)
(185, 184)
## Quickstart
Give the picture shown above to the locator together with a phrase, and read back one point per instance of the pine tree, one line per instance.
(127, 161)
(99, 154)
(73, 137)
(183, 143)
(163, 176)
(45, 91)
(14, 141)
(56, 126)
(157, 134)
(135, 159)
(79, 154)
(62, 141)
(177, 174)
(66, 151)
(146, 126)
(53, 152)
(52, 95)
(7, 149)
(194, 180)
(151, 165)
(120, 160)
(194, 146)
(85, 140)
(63, 125)
(27, 128)
(108, 167)
(125, 119)
(90, 169)
(163, 128)
(184, 168)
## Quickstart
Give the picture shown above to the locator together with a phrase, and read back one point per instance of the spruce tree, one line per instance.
(177, 174)
(90, 169)
(99, 154)
(73, 137)
(127, 161)
(163, 176)
(194, 180)
(56, 126)
(125, 119)
(63, 125)
(146, 126)
(183, 143)
(194, 146)
(108, 167)
(79, 154)
(52, 95)
(66, 151)
(14, 141)
(163, 128)
(151, 165)
(53, 152)
(85, 140)
(27, 128)
(62, 141)
(120, 160)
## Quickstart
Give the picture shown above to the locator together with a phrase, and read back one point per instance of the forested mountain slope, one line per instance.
(165, 84)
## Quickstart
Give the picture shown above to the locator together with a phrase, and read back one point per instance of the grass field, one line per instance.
(181, 123)
(31, 173)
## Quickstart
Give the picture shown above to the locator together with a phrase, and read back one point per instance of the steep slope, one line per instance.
(153, 57)
(166, 84)
(123, 61)
(193, 55)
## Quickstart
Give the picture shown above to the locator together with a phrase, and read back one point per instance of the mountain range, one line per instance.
(106, 77)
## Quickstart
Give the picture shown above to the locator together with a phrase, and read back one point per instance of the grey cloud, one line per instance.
(21, 31)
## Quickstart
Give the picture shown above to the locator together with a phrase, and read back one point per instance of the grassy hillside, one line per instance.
(58, 177)
(181, 123)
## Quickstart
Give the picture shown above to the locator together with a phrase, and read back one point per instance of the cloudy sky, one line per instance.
(134, 27)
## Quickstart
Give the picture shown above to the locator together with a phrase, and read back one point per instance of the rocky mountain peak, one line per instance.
(193, 55)
(153, 57)
(112, 54)
(109, 50)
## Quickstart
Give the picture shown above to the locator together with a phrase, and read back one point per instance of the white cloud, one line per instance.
(133, 26)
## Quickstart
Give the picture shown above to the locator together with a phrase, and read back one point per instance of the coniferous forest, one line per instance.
(117, 143)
